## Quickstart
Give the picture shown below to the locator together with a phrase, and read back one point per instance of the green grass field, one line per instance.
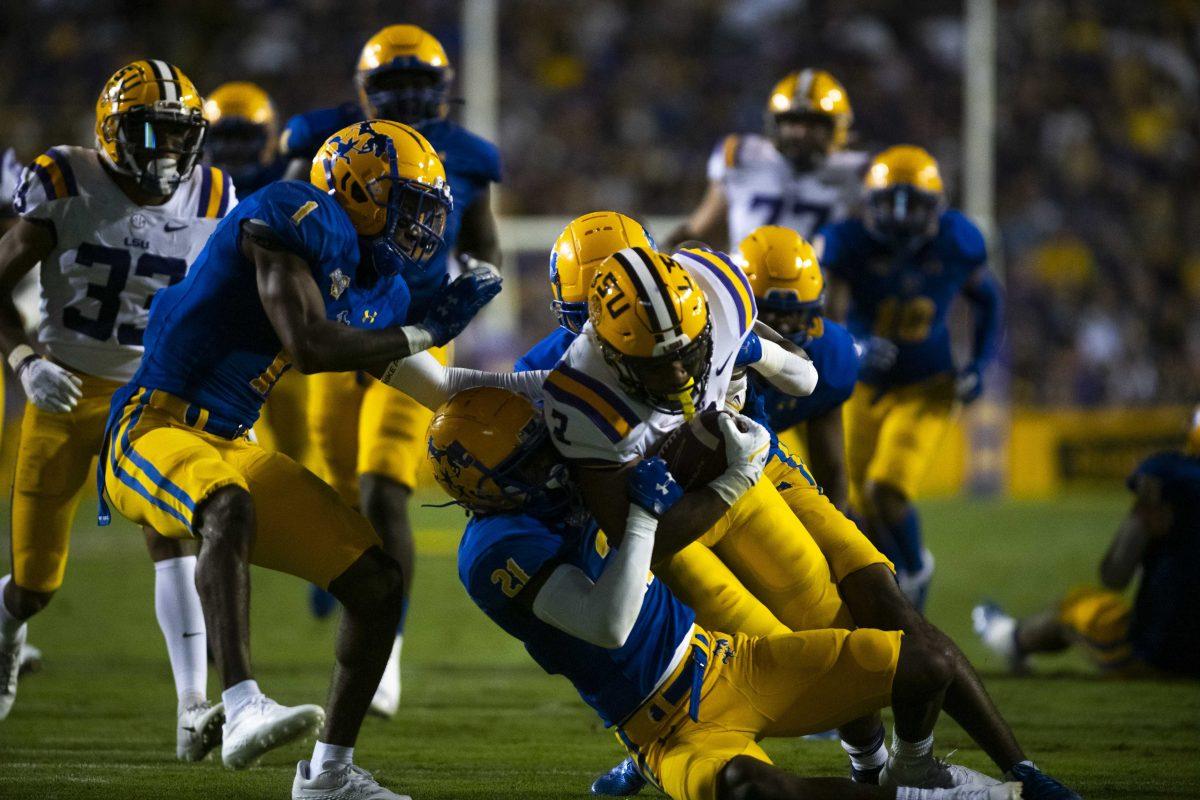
(479, 720)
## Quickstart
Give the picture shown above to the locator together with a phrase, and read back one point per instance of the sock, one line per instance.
(912, 751)
(403, 619)
(236, 697)
(907, 535)
(10, 626)
(868, 758)
(910, 793)
(324, 754)
(177, 606)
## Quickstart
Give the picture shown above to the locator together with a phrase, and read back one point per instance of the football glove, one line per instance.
(876, 354)
(459, 301)
(747, 447)
(651, 486)
(48, 386)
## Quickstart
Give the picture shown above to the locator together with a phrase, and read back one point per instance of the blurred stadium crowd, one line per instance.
(616, 103)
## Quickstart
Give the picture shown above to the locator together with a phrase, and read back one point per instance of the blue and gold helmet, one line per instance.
(392, 184)
(578, 251)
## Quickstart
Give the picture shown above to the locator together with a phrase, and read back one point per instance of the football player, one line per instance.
(310, 275)
(662, 337)
(688, 703)
(243, 140)
(789, 291)
(799, 175)
(111, 227)
(371, 439)
(1160, 538)
(894, 272)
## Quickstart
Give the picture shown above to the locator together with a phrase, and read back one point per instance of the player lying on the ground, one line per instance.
(1160, 537)
(657, 348)
(371, 439)
(307, 275)
(894, 271)
(110, 226)
(690, 704)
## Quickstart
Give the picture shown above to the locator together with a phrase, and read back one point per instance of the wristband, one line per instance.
(731, 485)
(20, 354)
(419, 338)
(640, 522)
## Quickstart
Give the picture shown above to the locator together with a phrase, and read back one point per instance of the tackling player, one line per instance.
(799, 175)
(111, 227)
(243, 140)
(307, 275)
(371, 439)
(1160, 537)
(894, 272)
(688, 703)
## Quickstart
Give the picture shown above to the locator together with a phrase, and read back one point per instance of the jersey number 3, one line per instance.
(109, 293)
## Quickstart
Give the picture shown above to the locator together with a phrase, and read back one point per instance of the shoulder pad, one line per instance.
(215, 194)
(963, 237)
(48, 178)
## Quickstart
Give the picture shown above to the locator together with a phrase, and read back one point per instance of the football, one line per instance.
(695, 451)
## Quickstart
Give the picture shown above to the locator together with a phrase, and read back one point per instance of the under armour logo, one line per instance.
(369, 316)
(662, 488)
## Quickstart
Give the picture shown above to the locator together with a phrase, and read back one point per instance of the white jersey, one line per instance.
(590, 415)
(762, 187)
(110, 255)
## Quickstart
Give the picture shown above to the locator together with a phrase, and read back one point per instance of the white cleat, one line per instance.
(998, 632)
(263, 725)
(386, 701)
(10, 668)
(199, 731)
(1000, 791)
(341, 782)
(931, 773)
(31, 659)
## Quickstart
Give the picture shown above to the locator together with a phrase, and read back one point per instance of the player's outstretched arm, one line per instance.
(604, 612)
(708, 223)
(296, 309)
(423, 378)
(783, 363)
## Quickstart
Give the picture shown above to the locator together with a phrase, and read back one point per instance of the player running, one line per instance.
(243, 140)
(799, 175)
(111, 227)
(371, 439)
(1160, 537)
(307, 275)
(690, 704)
(894, 272)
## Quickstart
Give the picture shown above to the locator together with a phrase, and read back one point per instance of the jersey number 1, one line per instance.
(109, 293)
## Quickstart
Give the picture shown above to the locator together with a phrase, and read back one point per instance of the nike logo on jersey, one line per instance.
(723, 366)
(171, 228)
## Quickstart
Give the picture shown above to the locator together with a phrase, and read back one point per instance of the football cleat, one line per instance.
(341, 782)
(623, 780)
(868, 776)
(199, 731)
(386, 701)
(10, 668)
(1037, 785)
(998, 631)
(263, 725)
(930, 773)
(31, 659)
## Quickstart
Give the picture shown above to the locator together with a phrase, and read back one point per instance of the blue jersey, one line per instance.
(471, 162)
(209, 340)
(905, 297)
(1165, 629)
(546, 353)
(500, 553)
(832, 350)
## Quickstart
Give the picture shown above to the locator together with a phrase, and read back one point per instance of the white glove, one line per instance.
(747, 447)
(48, 386)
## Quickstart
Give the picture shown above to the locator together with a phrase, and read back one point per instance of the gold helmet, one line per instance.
(150, 125)
(490, 452)
(904, 195)
(785, 276)
(242, 129)
(649, 313)
(390, 182)
(403, 74)
(808, 117)
(583, 244)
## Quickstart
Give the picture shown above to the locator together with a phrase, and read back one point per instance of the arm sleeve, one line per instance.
(430, 383)
(602, 613)
(983, 292)
(786, 371)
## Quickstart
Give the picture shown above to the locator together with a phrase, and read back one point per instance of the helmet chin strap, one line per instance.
(684, 398)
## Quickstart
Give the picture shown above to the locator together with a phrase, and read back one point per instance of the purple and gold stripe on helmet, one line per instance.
(735, 282)
(608, 419)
